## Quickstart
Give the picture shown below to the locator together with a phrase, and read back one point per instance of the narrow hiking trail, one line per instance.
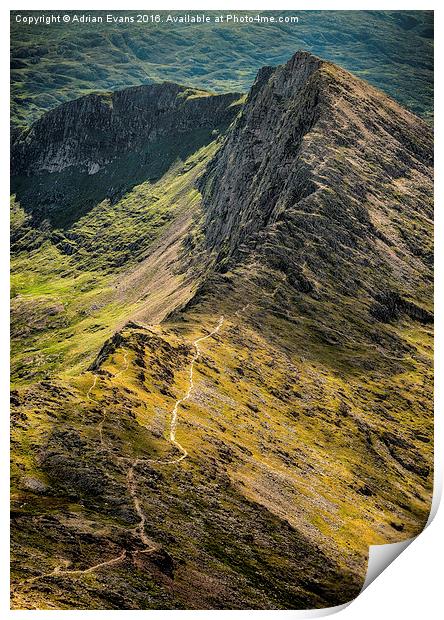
(59, 571)
(173, 422)
(131, 479)
(150, 547)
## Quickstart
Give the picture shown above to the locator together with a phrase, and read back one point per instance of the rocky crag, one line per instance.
(223, 370)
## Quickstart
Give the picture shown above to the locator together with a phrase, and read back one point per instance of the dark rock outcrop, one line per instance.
(100, 146)
(92, 131)
(390, 306)
(320, 177)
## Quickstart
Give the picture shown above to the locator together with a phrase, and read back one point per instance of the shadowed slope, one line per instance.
(302, 421)
(100, 146)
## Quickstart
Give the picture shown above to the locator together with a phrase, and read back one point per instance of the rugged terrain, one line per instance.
(52, 64)
(222, 371)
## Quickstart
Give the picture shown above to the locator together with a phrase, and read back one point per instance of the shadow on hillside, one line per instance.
(64, 197)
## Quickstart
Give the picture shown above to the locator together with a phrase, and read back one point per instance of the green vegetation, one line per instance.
(53, 64)
(267, 430)
(159, 463)
(66, 289)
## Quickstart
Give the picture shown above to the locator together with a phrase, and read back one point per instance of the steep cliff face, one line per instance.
(248, 182)
(93, 130)
(99, 147)
(230, 388)
(321, 176)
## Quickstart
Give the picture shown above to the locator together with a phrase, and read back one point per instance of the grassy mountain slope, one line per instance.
(54, 64)
(296, 464)
(68, 291)
(244, 404)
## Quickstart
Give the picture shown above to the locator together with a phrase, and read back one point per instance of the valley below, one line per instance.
(222, 343)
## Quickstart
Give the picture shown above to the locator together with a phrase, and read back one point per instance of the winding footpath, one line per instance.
(131, 474)
(60, 572)
(173, 422)
(149, 546)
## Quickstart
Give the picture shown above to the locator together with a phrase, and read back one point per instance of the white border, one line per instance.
(4, 290)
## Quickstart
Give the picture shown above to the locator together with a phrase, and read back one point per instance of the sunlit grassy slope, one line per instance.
(300, 455)
(305, 421)
(68, 294)
(52, 64)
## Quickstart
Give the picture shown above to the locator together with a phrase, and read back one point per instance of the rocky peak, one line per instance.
(244, 183)
(321, 172)
(93, 130)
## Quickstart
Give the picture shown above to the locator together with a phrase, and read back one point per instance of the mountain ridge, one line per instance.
(126, 117)
(101, 146)
(302, 266)
(393, 50)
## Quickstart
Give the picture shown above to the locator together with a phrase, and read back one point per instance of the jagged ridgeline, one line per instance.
(52, 64)
(221, 343)
(100, 146)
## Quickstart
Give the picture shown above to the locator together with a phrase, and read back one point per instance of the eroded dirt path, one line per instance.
(150, 547)
(173, 422)
(59, 571)
(131, 478)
